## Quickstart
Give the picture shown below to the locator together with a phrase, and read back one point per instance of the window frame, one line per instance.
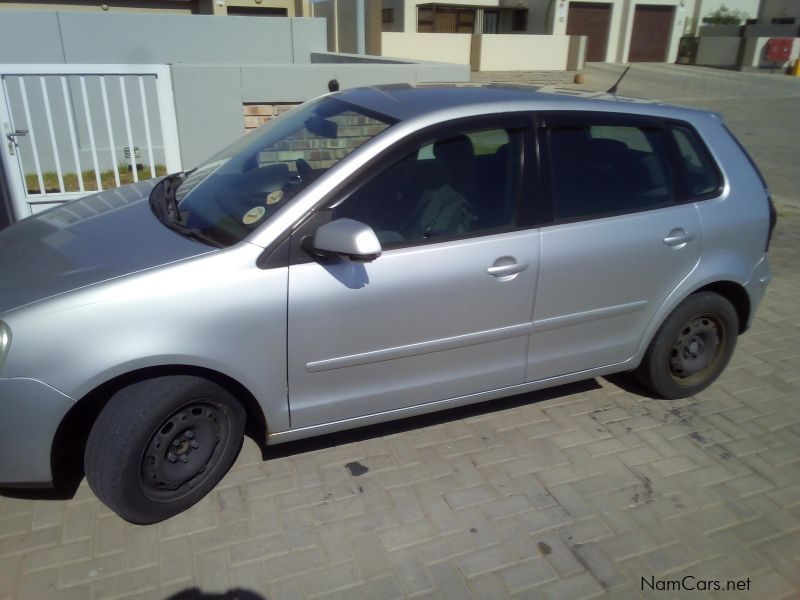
(529, 172)
(548, 120)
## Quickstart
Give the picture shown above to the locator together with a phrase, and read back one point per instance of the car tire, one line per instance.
(691, 348)
(160, 445)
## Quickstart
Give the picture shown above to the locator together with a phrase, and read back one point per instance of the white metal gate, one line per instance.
(70, 130)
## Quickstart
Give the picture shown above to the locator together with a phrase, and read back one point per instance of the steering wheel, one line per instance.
(304, 171)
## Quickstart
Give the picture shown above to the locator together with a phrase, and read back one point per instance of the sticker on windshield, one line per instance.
(253, 215)
(274, 197)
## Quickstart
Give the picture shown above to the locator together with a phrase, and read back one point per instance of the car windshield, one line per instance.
(240, 188)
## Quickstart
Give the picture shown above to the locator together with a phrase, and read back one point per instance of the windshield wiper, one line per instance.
(164, 204)
(193, 233)
(163, 201)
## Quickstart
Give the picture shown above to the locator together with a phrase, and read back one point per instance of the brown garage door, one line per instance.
(591, 19)
(652, 26)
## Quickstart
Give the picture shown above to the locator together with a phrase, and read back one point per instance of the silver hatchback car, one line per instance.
(371, 255)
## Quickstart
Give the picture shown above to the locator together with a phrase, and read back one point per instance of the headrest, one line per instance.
(454, 149)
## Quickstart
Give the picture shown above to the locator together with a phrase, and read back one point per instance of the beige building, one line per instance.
(266, 8)
(617, 30)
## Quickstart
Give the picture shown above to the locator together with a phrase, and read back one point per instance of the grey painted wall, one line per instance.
(77, 37)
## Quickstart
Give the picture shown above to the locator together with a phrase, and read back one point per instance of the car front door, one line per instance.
(620, 243)
(445, 311)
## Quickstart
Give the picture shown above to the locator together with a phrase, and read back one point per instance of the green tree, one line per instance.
(725, 16)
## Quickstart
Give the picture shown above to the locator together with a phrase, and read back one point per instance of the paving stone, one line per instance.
(410, 571)
(576, 587)
(333, 579)
(526, 575)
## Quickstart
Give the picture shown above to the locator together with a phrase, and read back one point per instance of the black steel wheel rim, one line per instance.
(183, 450)
(697, 350)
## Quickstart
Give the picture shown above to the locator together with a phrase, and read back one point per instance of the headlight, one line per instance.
(5, 342)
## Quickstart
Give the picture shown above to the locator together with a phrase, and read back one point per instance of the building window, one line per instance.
(490, 21)
(783, 20)
(425, 20)
(440, 19)
(519, 20)
(252, 11)
(387, 19)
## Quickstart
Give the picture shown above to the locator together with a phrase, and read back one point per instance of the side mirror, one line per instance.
(346, 237)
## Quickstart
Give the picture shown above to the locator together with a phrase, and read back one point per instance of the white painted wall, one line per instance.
(754, 54)
(438, 47)
(508, 52)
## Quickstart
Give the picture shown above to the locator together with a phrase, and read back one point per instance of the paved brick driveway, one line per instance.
(569, 493)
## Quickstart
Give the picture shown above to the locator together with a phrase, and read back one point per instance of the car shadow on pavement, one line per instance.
(198, 594)
(428, 420)
(70, 469)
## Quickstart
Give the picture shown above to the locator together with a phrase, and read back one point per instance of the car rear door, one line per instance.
(620, 241)
(441, 313)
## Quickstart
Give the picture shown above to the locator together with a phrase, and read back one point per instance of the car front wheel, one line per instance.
(692, 347)
(162, 444)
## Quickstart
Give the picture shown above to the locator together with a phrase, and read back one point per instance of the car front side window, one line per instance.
(455, 185)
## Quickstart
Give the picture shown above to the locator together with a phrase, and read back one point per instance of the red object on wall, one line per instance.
(779, 50)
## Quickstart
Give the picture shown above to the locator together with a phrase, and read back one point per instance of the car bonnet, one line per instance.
(99, 237)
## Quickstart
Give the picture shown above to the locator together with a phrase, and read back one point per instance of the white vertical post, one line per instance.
(146, 115)
(14, 177)
(27, 109)
(51, 129)
(360, 28)
(128, 126)
(169, 124)
(88, 116)
(71, 126)
(112, 146)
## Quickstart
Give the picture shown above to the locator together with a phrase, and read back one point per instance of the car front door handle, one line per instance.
(504, 270)
(678, 238)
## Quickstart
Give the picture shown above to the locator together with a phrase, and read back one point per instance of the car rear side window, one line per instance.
(700, 173)
(603, 169)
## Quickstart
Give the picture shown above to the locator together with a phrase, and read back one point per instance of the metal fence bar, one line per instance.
(26, 107)
(88, 115)
(4, 82)
(147, 128)
(113, 146)
(128, 127)
(51, 129)
(71, 127)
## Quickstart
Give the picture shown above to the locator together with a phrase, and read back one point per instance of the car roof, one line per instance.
(408, 101)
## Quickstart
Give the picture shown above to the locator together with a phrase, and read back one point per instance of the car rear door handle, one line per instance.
(507, 269)
(678, 238)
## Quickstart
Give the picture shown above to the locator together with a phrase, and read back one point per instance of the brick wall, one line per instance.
(321, 153)
(256, 115)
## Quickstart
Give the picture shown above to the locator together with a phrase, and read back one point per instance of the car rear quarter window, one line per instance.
(604, 169)
(699, 170)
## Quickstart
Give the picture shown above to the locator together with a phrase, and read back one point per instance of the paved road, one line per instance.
(575, 492)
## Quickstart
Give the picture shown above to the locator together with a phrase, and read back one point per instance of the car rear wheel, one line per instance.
(162, 444)
(692, 347)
